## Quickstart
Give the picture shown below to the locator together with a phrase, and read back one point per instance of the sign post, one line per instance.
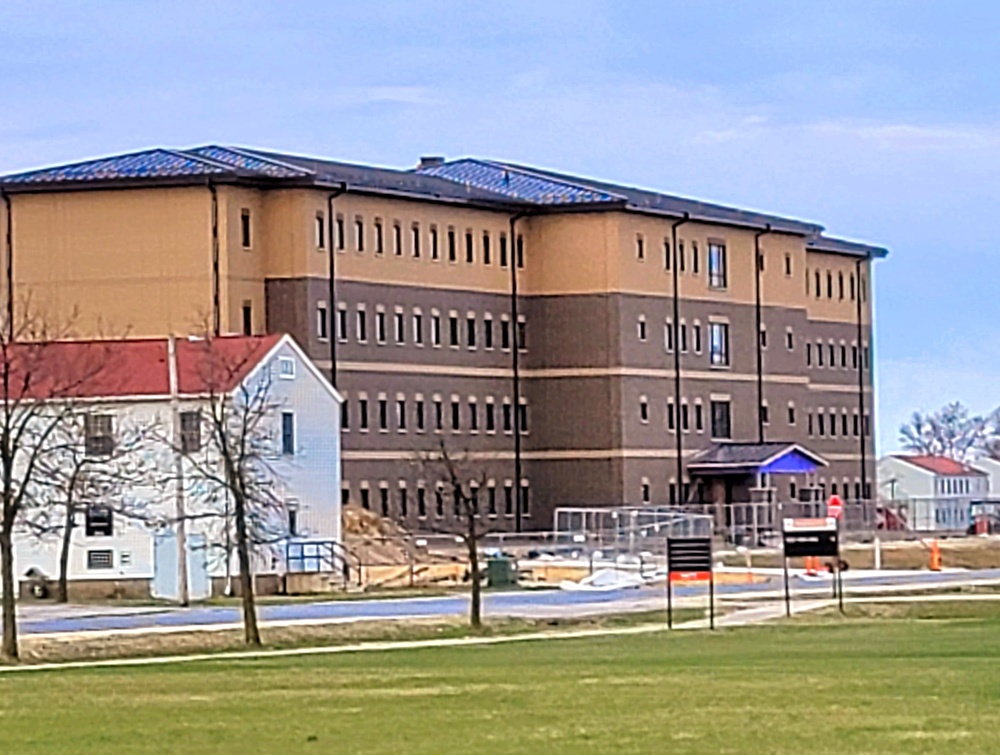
(808, 538)
(690, 556)
(835, 509)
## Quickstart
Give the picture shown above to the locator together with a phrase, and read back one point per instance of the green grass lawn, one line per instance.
(915, 679)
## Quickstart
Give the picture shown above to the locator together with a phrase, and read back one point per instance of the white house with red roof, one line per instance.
(162, 387)
(935, 491)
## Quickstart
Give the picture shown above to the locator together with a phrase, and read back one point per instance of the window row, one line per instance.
(837, 286)
(415, 241)
(690, 338)
(835, 355)
(469, 330)
(436, 415)
(437, 501)
(715, 257)
(692, 415)
(832, 423)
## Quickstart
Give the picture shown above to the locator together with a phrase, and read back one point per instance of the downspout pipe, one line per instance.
(332, 281)
(9, 263)
(516, 367)
(861, 377)
(216, 296)
(757, 259)
(679, 431)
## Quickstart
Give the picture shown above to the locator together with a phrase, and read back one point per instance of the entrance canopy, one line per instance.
(755, 458)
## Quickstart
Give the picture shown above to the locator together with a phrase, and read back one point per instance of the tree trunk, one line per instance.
(476, 604)
(251, 634)
(62, 591)
(8, 649)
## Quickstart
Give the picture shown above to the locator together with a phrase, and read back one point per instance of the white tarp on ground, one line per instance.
(605, 579)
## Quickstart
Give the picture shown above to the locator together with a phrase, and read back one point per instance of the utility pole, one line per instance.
(183, 592)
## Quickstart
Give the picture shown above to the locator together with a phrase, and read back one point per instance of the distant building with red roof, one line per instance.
(936, 492)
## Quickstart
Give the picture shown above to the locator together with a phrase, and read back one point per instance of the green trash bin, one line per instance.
(501, 571)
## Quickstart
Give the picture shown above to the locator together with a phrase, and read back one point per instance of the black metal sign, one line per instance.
(811, 543)
(689, 554)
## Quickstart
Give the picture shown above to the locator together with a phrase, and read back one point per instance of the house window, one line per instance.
(362, 326)
(699, 419)
(503, 250)
(287, 434)
(363, 414)
(789, 340)
(453, 331)
(401, 415)
(99, 521)
(345, 415)
(322, 321)
(435, 329)
(683, 337)
(508, 422)
(680, 256)
(819, 354)
(840, 285)
(718, 344)
(380, 326)
(399, 327)
(668, 336)
(341, 235)
(765, 414)
(456, 420)
(488, 331)
(421, 501)
(645, 490)
(522, 416)
(685, 426)
(843, 355)
(809, 355)
(438, 415)
(383, 495)
(829, 285)
(504, 333)
(470, 254)
(470, 331)
(520, 251)
(666, 255)
(415, 232)
(320, 231)
(763, 337)
(342, 322)
(788, 265)
(420, 415)
(359, 234)
(521, 334)
(473, 416)
(643, 410)
(696, 337)
(379, 242)
(383, 415)
(452, 254)
(640, 248)
(717, 276)
(366, 503)
(397, 239)
(101, 559)
(190, 432)
(439, 501)
(641, 328)
(508, 499)
(486, 248)
(491, 499)
(247, 318)
(721, 427)
(286, 368)
(833, 354)
(819, 284)
(491, 425)
(435, 253)
(99, 437)
(671, 421)
(418, 328)
(695, 263)
(245, 236)
(791, 414)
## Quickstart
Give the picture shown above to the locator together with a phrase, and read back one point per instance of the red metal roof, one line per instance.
(134, 367)
(942, 466)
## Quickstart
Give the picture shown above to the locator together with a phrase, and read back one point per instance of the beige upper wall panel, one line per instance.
(571, 254)
(833, 268)
(136, 260)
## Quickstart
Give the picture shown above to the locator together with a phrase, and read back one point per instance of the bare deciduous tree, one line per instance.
(950, 431)
(230, 475)
(460, 478)
(39, 382)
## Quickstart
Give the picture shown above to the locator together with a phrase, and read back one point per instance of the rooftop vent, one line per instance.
(430, 161)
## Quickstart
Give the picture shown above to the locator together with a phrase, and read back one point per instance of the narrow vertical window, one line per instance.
(397, 240)
(359, 234)
(415, 232)
(247, 318)
(470, 254)
(452, 254)
(245, 235)
(342, 323)
(322, 321)
(287, 434)
(379, 241)
(487, 253)
(503, 250)
(435, 252)
(640, 248)
(320, 231)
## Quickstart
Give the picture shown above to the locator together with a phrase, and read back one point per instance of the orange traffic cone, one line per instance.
(811, 565)
(935, 556)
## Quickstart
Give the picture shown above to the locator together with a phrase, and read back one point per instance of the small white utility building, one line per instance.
(931, 493)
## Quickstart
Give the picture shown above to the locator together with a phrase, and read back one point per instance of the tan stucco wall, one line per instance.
(135, 262)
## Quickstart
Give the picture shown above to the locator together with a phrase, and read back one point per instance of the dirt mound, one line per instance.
(361, 522)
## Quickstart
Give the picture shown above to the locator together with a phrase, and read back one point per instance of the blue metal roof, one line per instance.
(519, 184)
(152, 163)
(249, 162)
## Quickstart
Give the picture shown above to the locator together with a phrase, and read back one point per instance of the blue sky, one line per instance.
(880, 120)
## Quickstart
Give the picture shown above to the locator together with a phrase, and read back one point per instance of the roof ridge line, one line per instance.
(248, 152)
(542, 177)
(198, 158)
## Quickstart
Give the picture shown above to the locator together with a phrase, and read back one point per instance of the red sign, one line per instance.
(835, 507)
(690, 576)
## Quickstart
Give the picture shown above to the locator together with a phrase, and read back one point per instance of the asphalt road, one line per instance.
(49, 619)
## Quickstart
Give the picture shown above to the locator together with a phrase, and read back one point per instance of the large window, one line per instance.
(718, 344)
(190, 432)
(287, 434)
(717, 276)
(99, 435)
(721, 423)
